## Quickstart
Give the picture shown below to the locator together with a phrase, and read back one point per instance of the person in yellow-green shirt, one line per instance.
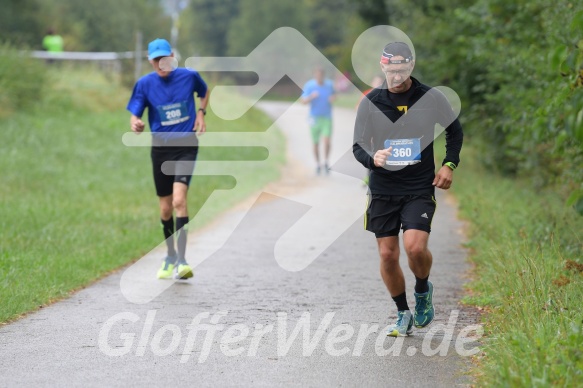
(53, 42)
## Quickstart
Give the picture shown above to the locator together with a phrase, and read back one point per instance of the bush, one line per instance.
(518, 68)
(531, 92)
(22, 79)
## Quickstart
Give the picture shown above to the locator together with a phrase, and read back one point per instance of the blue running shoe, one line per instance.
(403, 326)
(424, 311)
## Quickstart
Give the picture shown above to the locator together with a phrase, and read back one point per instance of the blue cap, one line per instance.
(159, 48)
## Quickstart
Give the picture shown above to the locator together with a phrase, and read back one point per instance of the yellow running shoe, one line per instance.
(184, 271)
(167, 269)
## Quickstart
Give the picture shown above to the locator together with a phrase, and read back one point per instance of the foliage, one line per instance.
(530, 90)
(328, 25)
(372, 12)
(205, 25)
(22, 80)
(235, 27)
(539, 125)
(517, 67)
(527, 252)
(20, 24)
(246, 32)
(93, 25)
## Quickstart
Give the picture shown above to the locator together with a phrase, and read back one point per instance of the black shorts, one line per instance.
(173, 172)
(386, 215)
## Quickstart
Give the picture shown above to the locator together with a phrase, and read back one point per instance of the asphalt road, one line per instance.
(290, 296)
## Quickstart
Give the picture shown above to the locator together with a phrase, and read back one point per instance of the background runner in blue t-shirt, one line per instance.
(319, 93)
(168, 93)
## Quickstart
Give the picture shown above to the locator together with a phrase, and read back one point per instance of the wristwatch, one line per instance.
(450, 165)
(203, 111)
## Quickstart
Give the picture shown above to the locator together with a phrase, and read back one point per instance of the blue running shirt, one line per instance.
(170, 101)
(320, 106)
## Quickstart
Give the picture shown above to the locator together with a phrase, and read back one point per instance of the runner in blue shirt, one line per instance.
(319, 93)
(168, 93)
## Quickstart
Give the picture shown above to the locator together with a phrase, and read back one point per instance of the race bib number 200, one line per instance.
(405, 152)
(173, 113)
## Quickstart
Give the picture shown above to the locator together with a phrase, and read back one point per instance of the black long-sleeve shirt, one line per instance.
(379, 121)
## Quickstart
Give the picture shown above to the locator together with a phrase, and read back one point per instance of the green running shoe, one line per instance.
(403, 326)
(167, 269)
(424, 311)
(184, 270)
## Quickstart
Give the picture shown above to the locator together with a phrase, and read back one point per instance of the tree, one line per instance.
(372, 12)
(20, 24)
(205, 25)
(110, 25)
(328, 22)
(92, 25)
(257, 19)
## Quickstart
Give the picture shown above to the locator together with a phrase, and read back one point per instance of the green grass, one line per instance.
(75, 202)
(527, 250)
(348, 100)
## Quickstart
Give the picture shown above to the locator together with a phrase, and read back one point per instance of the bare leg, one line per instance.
(317, 153)
(167, 223)
(179, 203)
(165, 207)
(391, 271)
(326, 141)
(419, 256)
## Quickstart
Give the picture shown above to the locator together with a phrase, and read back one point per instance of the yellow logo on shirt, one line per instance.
(402, 108)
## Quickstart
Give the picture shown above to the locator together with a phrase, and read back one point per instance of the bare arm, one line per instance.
(443, 178)
(136, 124)
(199, 123)
(308, 99)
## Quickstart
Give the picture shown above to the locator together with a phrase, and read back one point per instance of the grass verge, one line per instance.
(76, 203)
(527, 248)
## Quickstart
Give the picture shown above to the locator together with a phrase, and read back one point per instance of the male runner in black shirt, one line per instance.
(393, 137)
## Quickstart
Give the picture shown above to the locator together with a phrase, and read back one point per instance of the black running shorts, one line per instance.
(181, 171)
(386, 215)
